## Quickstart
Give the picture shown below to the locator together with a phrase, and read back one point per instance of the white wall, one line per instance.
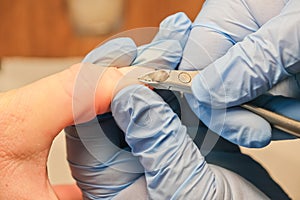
(281, 159)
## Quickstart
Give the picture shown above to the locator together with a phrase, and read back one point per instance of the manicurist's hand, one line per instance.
(243, 48)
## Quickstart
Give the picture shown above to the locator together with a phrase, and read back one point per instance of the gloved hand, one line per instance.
(243, 48)
(99, 157)
(174, 167)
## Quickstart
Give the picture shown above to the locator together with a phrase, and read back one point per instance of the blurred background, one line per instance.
(39, 38)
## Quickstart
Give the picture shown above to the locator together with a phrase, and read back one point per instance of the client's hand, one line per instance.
(32, 116)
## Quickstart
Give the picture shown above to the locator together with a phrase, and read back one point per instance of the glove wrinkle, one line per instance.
(168, 154)
(242, 52)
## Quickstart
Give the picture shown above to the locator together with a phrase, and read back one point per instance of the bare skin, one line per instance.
(31, 117)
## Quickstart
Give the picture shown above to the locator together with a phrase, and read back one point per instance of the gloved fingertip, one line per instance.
(253, 137)
(256, 143)
(165, 50)
(116, 52)
(175, 27)
(235, 124)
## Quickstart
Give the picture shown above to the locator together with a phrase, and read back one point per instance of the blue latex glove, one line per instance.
(174, 167)
(243, 48)
(100, 160)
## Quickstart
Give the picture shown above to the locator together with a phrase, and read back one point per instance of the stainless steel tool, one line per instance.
(181, 81)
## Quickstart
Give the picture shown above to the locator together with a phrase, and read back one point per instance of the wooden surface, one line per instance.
(43, 28)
